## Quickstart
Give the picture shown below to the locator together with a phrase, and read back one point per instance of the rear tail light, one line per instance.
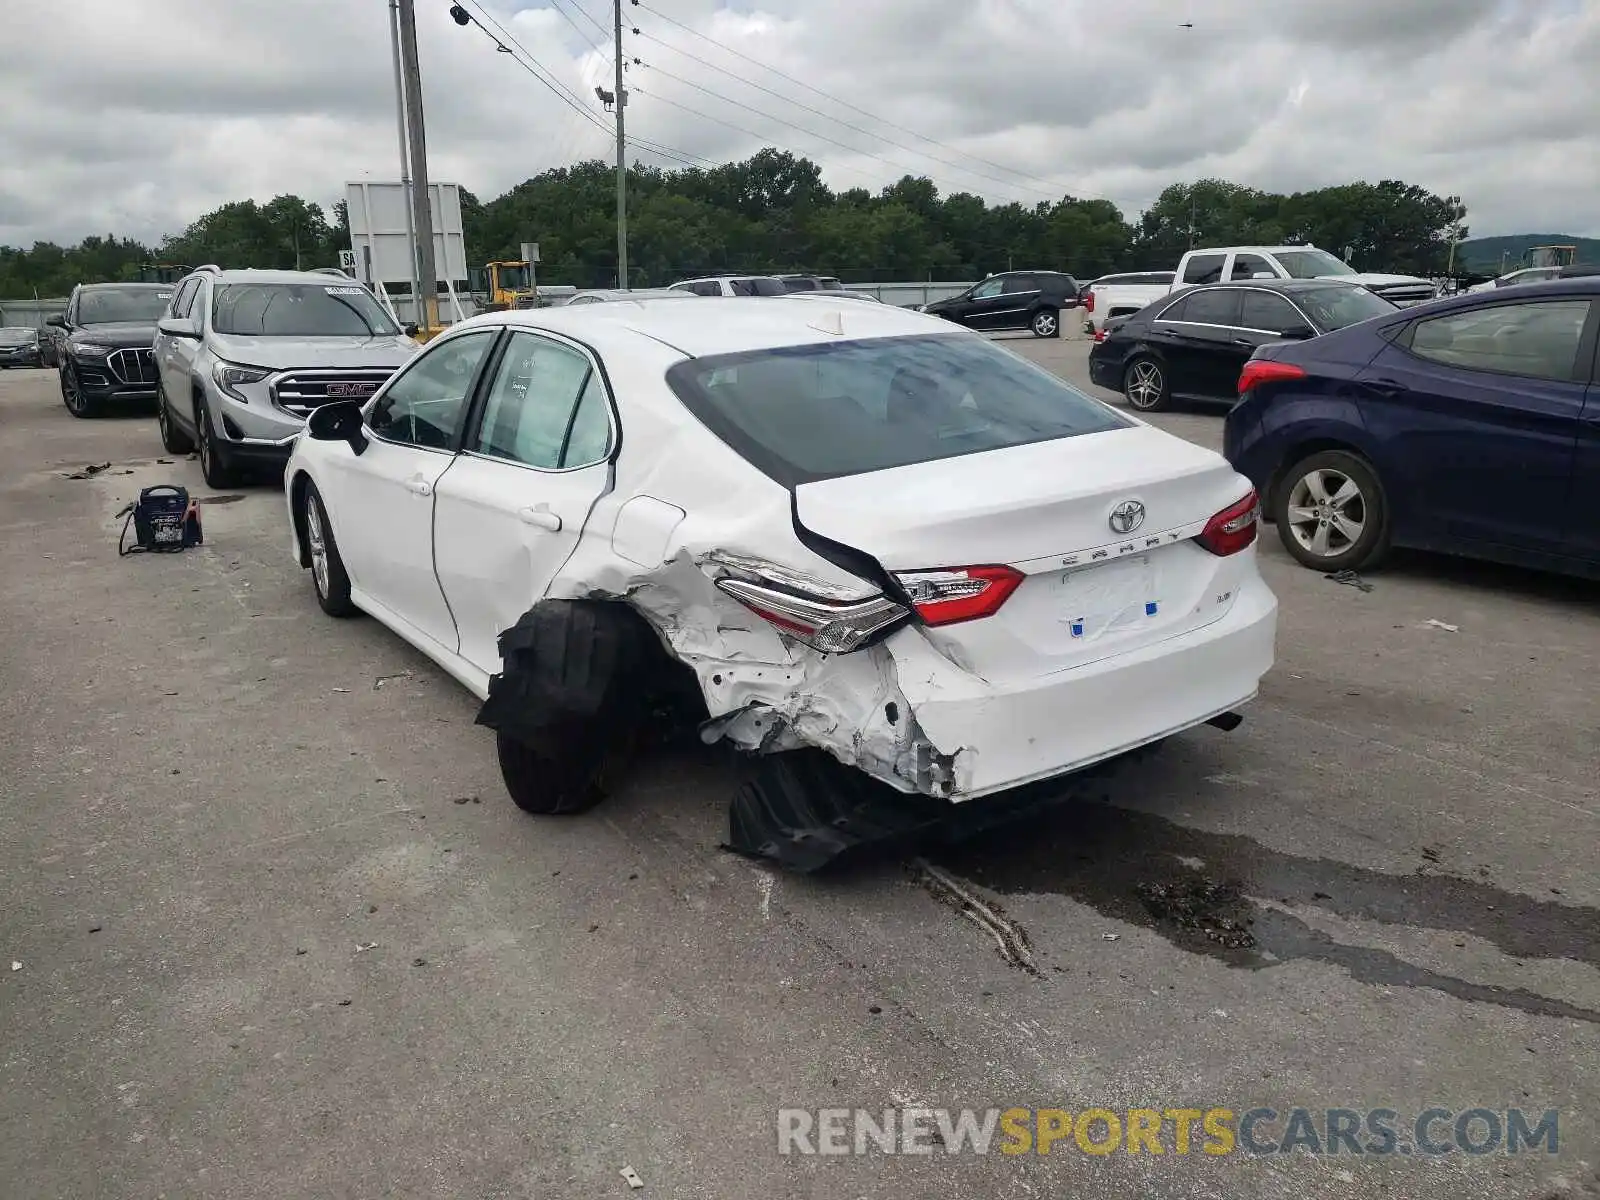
(1088, 302)
(1234, 528)
(1264, 370)
(1100, 334)
(959, 593)
(828, 623)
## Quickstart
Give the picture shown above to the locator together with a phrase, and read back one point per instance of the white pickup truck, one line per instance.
(1229, 263)
(1121, 296)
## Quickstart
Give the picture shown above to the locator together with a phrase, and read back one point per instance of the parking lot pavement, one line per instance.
(275, 930)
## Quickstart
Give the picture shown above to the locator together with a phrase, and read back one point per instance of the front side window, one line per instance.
(424, 406)
(546, 407)
(761, 286)
(820, 411)
(184, 298)
(299, 310)
(107, 306)
(1204, 268)
(1268, 312)
(1534, 340)
(1248, 266)
(989, 287)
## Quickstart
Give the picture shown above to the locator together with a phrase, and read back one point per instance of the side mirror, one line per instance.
(1299, 333)
(340, 421)
(56, 320)
(178, 327)
(413, 329)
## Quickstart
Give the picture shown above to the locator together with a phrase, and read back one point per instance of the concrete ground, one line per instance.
(275, 930)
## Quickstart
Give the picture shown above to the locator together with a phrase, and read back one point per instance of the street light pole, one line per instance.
(405, 162)
(622, 160)
(421, 205)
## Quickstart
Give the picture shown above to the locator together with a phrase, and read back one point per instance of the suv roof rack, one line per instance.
(209, 268)
(332, 271)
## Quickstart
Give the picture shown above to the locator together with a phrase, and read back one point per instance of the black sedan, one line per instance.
(1192, 345)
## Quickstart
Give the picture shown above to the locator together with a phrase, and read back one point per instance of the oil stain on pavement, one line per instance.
(1217, 894)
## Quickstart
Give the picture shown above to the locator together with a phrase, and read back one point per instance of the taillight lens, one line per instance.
(959, 593)
(826, 623)
(1088, 302)
(1264, 370)
(1100, 334)
(1234, 528)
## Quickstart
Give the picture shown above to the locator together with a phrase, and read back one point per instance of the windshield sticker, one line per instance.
(343, 291)
(163, 295)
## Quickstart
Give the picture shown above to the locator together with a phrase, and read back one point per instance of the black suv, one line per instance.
(1012, 300)
(102, 344)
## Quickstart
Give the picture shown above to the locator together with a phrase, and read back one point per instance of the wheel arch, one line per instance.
(1302, 449)
(298, 486)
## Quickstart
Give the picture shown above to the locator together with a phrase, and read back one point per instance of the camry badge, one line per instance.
(1126, 517)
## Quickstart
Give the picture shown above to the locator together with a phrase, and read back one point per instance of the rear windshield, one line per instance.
(299, 310)
(1335, 307)
(804, 413)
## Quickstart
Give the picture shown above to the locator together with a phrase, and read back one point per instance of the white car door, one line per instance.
(508, 514)
(172, 357)
(382, 502)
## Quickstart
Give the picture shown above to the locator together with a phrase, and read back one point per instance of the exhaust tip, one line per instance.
(1227, 722)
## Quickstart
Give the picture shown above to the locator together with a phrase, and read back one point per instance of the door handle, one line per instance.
(420, 486)
(540, 518)
(1385, 387)
(1244, 341)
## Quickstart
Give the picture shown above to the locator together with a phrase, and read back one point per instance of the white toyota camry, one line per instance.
(848, 528)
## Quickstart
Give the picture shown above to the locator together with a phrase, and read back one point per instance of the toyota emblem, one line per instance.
(1126, 517)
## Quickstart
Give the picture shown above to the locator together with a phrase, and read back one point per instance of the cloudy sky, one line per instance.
(135, 116)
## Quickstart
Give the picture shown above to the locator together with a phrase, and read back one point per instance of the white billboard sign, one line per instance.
(378, 233)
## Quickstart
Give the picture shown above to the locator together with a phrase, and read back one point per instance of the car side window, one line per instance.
(1019, 283)
(1536, 340)
(180, 303)
(989, 287)
(1174, 311)
(1218, 307)
(1204, 268)
(708, 288)
(541, 411)
(424, 406)
(1245, 266)
(1270, 312)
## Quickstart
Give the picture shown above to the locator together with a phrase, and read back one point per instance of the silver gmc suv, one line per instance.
(242, 358)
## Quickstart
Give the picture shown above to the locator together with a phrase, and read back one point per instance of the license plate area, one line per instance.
(1108, 599)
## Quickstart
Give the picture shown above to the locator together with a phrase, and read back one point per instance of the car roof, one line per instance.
(1252, 249)
(632, 293)
(1272, 285)
(726, 275)
(130, 287)
(740, 324)
(261, 275)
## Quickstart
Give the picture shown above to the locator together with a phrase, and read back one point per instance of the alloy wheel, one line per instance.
(317, 543)
(1045, 324)
(71, 391)
(1144, 384)
(202, 437)
(1327, 512)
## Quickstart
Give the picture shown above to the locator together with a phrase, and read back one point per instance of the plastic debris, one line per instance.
(15, 965)
(345, 690)
(1110, 937)
(364, 946)
(87, 472)
(632, 1177)
(1444, 625)
(1350, 578)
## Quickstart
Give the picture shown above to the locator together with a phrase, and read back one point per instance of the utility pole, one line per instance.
(405, 165)
(421, 207)
(622, 159)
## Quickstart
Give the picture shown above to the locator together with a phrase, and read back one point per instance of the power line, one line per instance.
(889, 162)
(1051, 192)
(1052, 185)
(583, 33)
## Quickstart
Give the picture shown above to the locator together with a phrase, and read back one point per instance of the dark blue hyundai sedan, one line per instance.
(1469, 426)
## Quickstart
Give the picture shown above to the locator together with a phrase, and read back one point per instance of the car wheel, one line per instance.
(328, 576)
(214, 463)
(1046, 323)
(557, 776)
(72, 395)
(173, 439)
(1331, 512)
(1144, 384)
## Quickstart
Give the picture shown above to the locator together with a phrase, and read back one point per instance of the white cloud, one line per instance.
(149, 114)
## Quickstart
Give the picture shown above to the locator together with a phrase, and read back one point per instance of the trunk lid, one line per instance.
(1090, 591)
